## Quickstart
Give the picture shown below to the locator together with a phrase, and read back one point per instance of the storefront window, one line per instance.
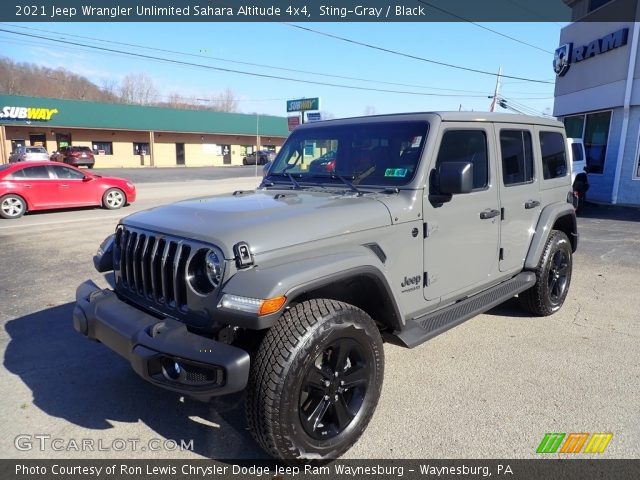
(593, 128)
(102, 148)
(141, 149)
(574, 126)
(596, 136)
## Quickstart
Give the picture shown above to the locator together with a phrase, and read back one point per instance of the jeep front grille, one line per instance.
(153, 267)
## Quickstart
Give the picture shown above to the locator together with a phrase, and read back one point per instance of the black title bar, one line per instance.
(309, 11)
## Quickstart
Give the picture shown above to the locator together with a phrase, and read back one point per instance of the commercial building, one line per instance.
(131, 136)
(597, 95)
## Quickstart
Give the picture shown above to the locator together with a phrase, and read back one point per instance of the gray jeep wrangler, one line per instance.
(397, 227)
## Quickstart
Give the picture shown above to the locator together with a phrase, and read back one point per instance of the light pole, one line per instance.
(257, 141)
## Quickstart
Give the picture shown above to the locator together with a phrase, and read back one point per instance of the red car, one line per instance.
(46, 185)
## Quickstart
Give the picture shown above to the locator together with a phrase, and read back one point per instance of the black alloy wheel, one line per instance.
(333, 389)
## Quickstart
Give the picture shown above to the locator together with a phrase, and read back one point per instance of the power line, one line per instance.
(414, 57)
(239, 62)
(485, 28)
(239, 72)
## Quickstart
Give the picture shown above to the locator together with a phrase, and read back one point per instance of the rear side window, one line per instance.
(467, 146)
(66, 172)
(517, 157)
(554, 157)
(34, 172)
(576, 148)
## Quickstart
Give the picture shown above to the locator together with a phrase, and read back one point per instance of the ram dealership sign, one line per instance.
(567, 54)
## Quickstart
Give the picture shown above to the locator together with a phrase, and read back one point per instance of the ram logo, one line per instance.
(561, 59)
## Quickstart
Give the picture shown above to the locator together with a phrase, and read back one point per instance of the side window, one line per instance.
(36, 172)
(66, 172)
(554, 157)
(576, 148)
(517, 157)
(467, 146)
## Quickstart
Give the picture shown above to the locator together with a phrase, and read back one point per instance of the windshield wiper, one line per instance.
(346, 182)
(295, 183)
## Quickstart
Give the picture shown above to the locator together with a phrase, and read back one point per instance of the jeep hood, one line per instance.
(266, 220)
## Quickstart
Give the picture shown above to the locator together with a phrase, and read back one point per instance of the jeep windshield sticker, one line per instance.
(395, 172)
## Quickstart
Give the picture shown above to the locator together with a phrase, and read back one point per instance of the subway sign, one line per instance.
(303, 104)
(27, 113)
(567, 54)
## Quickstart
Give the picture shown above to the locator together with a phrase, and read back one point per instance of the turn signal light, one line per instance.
(271, 305)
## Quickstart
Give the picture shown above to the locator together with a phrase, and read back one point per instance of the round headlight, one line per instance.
(213, 268)
(205, 270)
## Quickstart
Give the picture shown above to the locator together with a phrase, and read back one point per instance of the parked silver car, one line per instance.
(26, 154)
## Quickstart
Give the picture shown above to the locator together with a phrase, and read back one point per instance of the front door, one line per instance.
(461, 247)
(72, 187)
(226, 154)
(179, 153)
(519, 193)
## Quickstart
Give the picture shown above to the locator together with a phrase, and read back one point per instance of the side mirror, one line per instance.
(88, 178)
(455, 178)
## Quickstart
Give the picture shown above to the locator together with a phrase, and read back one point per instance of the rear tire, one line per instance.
(113, 199)
(553, 277)
(315, 381)
(12, 206)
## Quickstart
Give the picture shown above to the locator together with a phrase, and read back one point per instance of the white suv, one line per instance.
(579, 179)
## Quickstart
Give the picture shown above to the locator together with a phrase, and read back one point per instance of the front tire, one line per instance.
(553, 277)
(113, 199)
(315, 381)
(12, 206)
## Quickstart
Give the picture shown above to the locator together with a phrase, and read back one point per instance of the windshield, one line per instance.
(36, 150)
(384, 154)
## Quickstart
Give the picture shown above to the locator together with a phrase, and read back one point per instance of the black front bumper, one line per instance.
(205, 368)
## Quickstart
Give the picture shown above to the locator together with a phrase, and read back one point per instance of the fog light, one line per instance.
(172, 370)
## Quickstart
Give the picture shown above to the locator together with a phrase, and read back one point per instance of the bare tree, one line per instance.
(138, 88)
(225, 101)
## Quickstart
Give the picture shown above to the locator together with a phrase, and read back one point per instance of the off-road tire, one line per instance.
(278, 381)
(556, 259)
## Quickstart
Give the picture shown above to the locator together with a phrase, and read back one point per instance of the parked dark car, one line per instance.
(264, 156)
(324, 164)
(28, 154)
(76, 156)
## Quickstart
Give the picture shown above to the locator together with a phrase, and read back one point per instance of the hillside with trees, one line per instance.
(29, 79)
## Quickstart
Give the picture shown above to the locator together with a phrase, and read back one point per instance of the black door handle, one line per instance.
(489, 214)
(531, 204)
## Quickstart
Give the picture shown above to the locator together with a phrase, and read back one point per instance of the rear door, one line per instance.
(461, 247)
(35, 184)
(519, 192)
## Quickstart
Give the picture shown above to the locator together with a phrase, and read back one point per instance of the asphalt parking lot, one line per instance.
(490, 388)
(180, 174)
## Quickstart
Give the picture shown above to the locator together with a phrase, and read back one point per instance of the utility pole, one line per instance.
(257, 140)
(496, 92)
